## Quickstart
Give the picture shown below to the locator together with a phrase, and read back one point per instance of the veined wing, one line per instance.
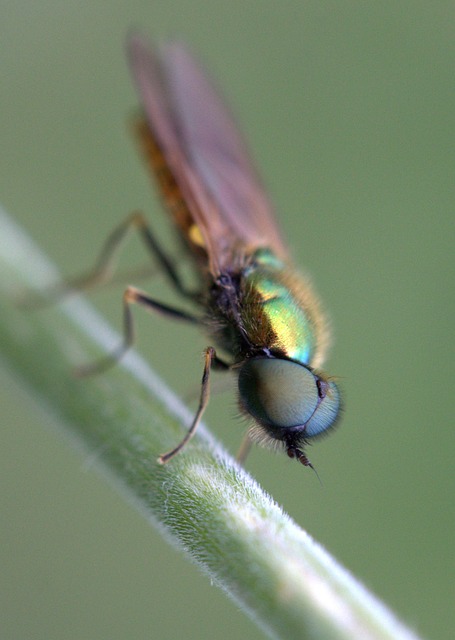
(203, 150)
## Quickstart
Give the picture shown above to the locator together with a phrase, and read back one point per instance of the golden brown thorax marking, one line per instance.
(169, 189)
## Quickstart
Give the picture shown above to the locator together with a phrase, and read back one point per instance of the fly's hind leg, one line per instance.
(104, 268)
(133, 296)
(210, 360)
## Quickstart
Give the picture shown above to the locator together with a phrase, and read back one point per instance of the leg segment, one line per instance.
(133, 296)
(104, 267)
(210, 359)
(244, 449)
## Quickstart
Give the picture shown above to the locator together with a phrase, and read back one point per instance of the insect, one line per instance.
(249, 299)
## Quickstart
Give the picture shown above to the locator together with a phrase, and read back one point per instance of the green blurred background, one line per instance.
(349, 110)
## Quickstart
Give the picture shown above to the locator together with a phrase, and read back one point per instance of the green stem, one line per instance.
(202, 501)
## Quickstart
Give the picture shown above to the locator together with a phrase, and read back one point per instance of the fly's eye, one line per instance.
(282, 395)
(326, 412)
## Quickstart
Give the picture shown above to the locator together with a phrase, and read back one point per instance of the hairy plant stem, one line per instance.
(202, 501)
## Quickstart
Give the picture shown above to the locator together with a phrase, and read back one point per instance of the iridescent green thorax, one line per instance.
(271, 314)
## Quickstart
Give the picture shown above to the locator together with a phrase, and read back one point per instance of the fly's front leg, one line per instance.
(210, 360)
(130, 297)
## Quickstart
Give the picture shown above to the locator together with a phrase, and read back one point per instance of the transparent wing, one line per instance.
(203, 150)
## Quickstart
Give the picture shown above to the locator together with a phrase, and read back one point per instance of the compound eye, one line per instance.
(278, 393)
(327, 410)
(281, 394)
